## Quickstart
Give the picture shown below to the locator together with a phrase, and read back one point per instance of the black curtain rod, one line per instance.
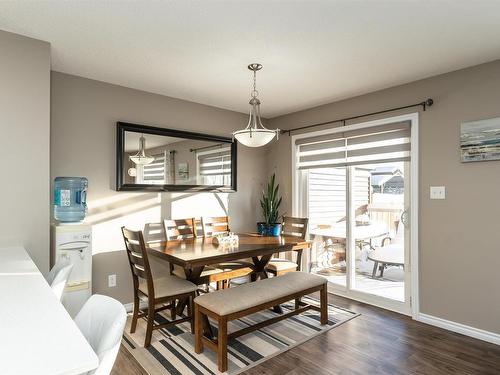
(204, 148)
(427, 103)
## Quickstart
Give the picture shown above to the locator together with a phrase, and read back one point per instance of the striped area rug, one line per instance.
(172, 349)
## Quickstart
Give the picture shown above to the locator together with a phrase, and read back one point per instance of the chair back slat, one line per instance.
(139, 272)
(294, 226)
(138, 258)
(154, 232)
(212, 226)
(180, 229)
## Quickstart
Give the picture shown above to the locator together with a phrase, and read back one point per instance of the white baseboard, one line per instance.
(129, 307)
(463, 329)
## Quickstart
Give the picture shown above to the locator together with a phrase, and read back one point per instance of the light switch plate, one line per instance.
(438, 192)
(111, 281)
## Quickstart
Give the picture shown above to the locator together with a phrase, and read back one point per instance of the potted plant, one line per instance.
(270, 203)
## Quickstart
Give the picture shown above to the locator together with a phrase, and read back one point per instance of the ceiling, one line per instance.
(313, 52)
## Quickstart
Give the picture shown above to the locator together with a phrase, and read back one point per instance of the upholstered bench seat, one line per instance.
(233, 303)
(228, 301)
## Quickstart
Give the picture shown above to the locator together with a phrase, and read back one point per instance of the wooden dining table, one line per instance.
(194, 254)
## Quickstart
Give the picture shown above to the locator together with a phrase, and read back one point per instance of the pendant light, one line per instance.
(255, 134)
(141, 158)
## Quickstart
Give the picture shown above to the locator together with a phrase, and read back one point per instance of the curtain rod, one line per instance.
(204, 148)
(426, 103)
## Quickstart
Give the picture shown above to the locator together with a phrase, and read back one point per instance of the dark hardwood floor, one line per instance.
(377, 342)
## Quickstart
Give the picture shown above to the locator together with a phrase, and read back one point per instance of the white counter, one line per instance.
(37, 334)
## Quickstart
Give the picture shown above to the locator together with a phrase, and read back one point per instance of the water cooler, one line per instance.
(74, 243)
(72, 239)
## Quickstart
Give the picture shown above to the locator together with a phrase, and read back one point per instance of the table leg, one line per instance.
(259, 266)
(260, 274)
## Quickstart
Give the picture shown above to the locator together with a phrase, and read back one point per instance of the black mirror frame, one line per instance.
(122, 127)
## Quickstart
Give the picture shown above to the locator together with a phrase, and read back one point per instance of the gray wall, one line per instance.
(25, 127)
(459, 236)
(84, 113)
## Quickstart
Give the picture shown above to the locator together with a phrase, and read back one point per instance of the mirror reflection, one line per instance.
(162, 160)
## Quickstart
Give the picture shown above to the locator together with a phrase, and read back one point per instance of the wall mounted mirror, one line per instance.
(156, 159)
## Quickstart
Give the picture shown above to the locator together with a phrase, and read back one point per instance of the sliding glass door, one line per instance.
(354, 186)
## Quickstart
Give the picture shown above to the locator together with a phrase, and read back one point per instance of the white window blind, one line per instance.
(381, 144)
(215, 167)
(154, 173)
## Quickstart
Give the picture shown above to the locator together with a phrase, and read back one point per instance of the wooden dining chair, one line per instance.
(161, 291)
(154, 233)
(217, 225)
(180, 229)
(294, 227)
(212, 226)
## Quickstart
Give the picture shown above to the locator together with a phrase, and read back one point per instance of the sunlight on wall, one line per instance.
(133, 210)
(197, 205)
(108, 215)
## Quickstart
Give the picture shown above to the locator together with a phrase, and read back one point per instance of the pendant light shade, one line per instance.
(141, 158)
(255, 134)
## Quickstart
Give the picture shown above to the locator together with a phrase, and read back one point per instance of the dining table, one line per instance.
(194, 254)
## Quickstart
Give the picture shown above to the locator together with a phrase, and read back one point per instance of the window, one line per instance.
(214, 167)
(154, 173)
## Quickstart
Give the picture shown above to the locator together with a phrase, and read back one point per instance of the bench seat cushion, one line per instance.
(239, 298)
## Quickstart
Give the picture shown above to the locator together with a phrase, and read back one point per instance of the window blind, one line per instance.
(216, 163)
(154, 172)
(385, 143)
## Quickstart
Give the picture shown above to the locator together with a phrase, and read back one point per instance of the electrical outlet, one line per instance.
(438, 192)
(111, 281)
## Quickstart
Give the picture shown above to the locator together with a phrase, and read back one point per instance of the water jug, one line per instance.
(70, 199)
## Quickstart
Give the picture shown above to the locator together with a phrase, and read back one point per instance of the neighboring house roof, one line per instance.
(382, 174)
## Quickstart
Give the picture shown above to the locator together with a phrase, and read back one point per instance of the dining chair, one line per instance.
(212, 226)
(220, 274)
(180, 229)
(217, 225)
(294, 227)
(154, 233)
(58, 277)
(159, 291)
(157, 233)
(102, 320)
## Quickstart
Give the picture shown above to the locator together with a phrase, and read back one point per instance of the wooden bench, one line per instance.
(233, 303)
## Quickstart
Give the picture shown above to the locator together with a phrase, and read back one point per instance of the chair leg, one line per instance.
(172, 310)
(135, 313)
(150, 322)
(198, 330)
(190, 310)
(222, 345)
(324, 305)
(297, 303)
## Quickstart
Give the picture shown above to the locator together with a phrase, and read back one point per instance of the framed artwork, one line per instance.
(480, 140)
(183, 171)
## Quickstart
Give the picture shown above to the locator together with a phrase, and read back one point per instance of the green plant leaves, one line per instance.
(271, 201)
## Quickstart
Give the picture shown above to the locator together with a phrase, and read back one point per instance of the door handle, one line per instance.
(405, 218)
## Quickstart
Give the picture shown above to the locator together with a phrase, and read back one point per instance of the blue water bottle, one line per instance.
(70, 199)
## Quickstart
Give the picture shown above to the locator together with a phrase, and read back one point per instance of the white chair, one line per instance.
(58, 277)
(102, 320)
